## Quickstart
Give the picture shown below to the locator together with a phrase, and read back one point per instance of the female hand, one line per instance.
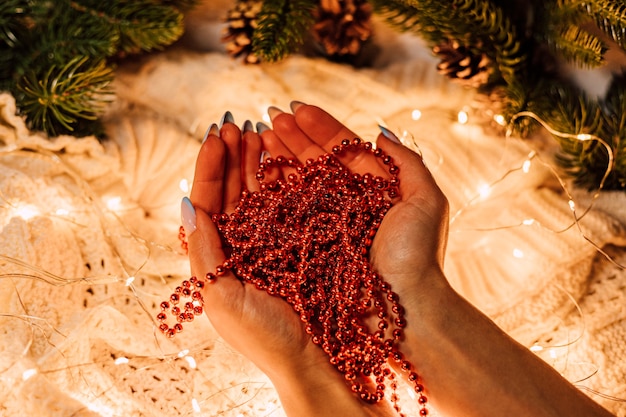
(459, 353)
(263, 328)
(408, 249)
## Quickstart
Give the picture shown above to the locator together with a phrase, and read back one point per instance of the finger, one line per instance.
(298, 142)
(252, 147)
(275, 147)
(416, 181)
(208, 181)
(231, 135)
(223, 297)
(327, 132)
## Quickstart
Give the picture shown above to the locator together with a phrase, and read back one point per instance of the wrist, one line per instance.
(311, 386)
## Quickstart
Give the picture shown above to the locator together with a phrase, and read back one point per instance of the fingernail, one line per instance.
(264, 156)
(227, 118)
(389, 134)
(295, 105)
(247, 126)
(188, 216)
(274, 111)
(212, 130)
(261, 127)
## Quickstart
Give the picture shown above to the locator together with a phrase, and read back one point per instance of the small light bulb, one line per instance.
(526, 166)
(26, 211)
(584, 136)
(184, 185)
(529, 222)
(183, 353)
(499, 119)
(536, 348)
(572, 205)
(462, 117)
(114, 203)
(121, 360)
(484, 190)
(195, 405)
(416, 114)
(518, 253)
(191, 361)
(28, 374)
(129, 281)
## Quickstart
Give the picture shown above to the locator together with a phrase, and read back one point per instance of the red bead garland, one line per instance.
(306, 239)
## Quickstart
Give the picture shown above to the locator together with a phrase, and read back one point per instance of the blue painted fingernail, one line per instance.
(261, 127)
(295, 105)
(274, 111)
(247, 126)
(212, 130)
(389, 134)
(264, 156)
(188, 216)
(227, 118)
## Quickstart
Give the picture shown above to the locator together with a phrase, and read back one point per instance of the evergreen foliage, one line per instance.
(282, 28)
(526, 40)
(57, 58)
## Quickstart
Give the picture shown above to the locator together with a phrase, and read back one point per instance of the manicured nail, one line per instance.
(188, 216)
(247, 126)
(295, 105)
(389, 134)
(212, 130)
(264, 156)
(274, 111)
(261, 127)
(227, 118)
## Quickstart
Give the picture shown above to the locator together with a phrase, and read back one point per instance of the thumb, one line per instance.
(205, 254)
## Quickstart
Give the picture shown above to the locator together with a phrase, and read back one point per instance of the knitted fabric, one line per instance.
(88, 240)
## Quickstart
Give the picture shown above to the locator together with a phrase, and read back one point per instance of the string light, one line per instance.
(28, 374)
(499, 119)
(184, 185)
(121, 360)
(463, 117)
(484, 190)
(62, 212)
(195, 405)
(191, 361)
(114, 203)
(26, 211)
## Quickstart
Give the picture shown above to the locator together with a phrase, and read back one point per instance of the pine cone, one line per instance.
(462, 64)
(342, 25)
(241, 22)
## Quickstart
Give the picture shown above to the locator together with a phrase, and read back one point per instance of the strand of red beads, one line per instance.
(306, 238)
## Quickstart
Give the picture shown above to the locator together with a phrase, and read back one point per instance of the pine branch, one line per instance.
(56, 56)
(579, 47)
(610, 16)
(65, 34)
(470, 22)
(614, 106)
(282, 25)
(141, 25)
(54, 101)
